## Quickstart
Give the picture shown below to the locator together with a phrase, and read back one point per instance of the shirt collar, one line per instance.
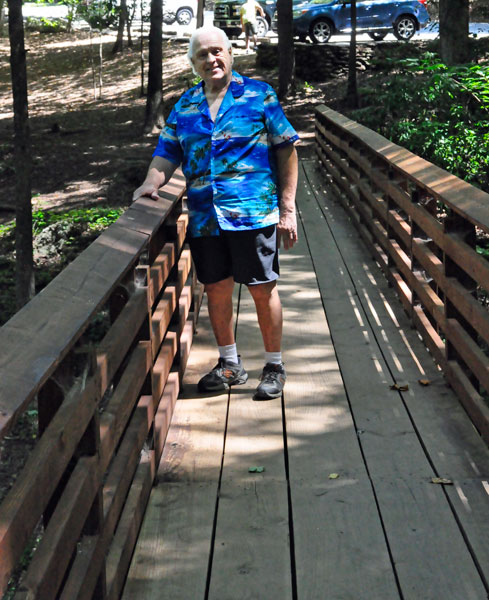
(197, 95)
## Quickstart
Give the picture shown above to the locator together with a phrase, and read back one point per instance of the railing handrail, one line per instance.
(420, 224)
(465, 199)
(31, 343)
(104, 404)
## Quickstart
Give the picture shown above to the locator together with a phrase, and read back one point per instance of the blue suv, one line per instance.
(320, 19)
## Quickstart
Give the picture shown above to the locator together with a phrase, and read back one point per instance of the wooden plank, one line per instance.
(160, 269)
(162, 316)
(334, 520)
(464, 198)
(114, 419)
(23, 506)
(389, 441)
(451, 444)
(172, 555)
(47, 569)
(87, 565)
(38, 337)
(251, 550)
(120, 337)
(125, 537)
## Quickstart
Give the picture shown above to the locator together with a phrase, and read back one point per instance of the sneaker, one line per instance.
(272, 382)
(223, 375)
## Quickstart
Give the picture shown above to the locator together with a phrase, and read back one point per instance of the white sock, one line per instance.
(273, 357)
(229, 353)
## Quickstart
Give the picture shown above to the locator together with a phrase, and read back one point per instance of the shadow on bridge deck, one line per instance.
(347, 505)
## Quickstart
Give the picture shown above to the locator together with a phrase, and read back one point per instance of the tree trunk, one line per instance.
(154, 100)
(24, 278)
(119, 43)
(2, 17)
(200, 13)
(454, 31)
(286, 54)
(352, 89)
(141, 48)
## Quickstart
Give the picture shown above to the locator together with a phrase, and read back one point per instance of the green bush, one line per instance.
(438, 112)
(44, 25)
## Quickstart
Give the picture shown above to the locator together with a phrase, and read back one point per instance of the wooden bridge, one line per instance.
(369, 480)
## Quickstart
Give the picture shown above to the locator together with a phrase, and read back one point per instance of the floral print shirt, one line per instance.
(228, 164)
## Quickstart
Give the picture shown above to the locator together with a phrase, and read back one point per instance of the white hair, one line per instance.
(202, 31)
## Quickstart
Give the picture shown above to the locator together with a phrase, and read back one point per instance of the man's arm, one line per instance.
(159, 173)
(287, 168)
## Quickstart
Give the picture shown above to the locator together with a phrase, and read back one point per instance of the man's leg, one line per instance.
(229, 370)
(269, 312)
(220, 305)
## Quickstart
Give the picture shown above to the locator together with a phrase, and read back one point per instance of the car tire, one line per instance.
(261, 27)
(184, 16)
(169, 18)
(405, 27)
(377, 36)
(321, 31)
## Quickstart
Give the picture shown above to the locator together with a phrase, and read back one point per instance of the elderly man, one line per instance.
(237, 153)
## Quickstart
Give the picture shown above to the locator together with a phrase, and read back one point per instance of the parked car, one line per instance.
(320, 19)
(181, 11)
(227, 16)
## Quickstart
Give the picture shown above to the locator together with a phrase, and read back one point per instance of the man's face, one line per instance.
(212, 59)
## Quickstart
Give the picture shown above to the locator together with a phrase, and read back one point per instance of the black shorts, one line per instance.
(250, 29)
(250, 256)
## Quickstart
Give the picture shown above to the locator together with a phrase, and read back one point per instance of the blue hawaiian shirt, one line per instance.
(228, 164)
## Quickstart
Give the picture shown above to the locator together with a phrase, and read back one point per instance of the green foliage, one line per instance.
(99, 14)
(438, 112)
(95, 218)
(44, 25)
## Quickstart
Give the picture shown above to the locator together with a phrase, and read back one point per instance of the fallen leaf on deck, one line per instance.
(333, 476)
(400, 387)
(256, 469)
(424, 381)
(441, 480)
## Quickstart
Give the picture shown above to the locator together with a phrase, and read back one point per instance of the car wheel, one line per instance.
(184, 16)
(321, 31)
(169, 18)
(405, 27)
(261, 27)
(377, 36)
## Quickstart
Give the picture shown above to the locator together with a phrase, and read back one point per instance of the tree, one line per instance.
(154, 99)
(200, 13)
(454, 31)
(352, 89)
(24, 278)
(123, 19)
(99, 14)
(286, 54)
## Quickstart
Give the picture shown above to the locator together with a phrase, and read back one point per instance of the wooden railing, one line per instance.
(103, 406)
(421, 225)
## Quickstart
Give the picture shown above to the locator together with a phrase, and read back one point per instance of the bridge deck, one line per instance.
(346, 507)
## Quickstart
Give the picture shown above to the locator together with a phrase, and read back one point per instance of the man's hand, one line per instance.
(159, 172)
(287, 230)
(146, 189)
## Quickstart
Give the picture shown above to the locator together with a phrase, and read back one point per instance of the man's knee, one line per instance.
(261, 291)
(220, 289)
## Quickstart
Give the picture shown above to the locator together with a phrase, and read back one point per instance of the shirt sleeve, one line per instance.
(168, 144)
(280, 131)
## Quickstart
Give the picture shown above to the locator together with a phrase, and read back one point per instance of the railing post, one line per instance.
(455, 225)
